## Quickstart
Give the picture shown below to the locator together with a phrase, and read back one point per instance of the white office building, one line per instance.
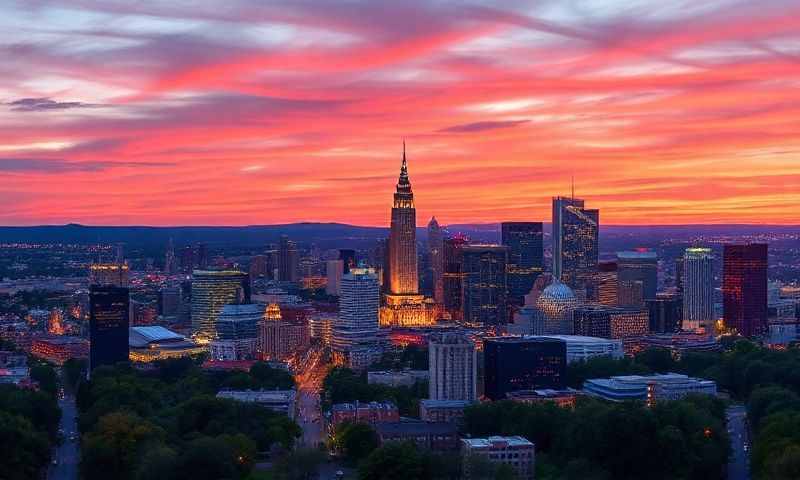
(698, 289)
(583, 348)
(452, 363)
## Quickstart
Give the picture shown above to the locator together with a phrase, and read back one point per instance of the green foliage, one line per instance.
(74, 371)
(25, 449)
(411, 357)
(181, 425)
(395, 461)
(616, 439)
(46, 376)
(345, 385)
(355, 441)
(302, 464)
(39, 408)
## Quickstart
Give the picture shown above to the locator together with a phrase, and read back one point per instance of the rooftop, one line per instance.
(141, 336)
(498, 442)
(417, 427)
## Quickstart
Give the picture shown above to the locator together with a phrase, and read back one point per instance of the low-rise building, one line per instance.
(582, 348)
(58, 349)
(563, 398)
(364, 412)
(435, 436)
(678, 343)
(650, 388)
(397, 378)
(517, 452)
(442, 410)
(281, 401)
(150, 343)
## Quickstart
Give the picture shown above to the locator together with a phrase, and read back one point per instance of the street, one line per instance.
(739, 463)
(66, 454)
(310, 371)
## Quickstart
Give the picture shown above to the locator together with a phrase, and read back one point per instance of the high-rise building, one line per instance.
(403, 306)
(116, 274)
(211, 290)
(523, 363)
(348, 258)
(170, 301)
(109, 311)
(334, 269)
(170, 264)
(744, 288)
(607, 287)
(237, 332)
(698, 289)
(610, 322)
(202, 256)
(637, 277)
(453, 278)
(273, 345)
(666, 313)
(436, 259)
(525, 257)
(259, 267)
(354, 332)
(452, 365)
(288, 260)
(484, 284)
(575, 245)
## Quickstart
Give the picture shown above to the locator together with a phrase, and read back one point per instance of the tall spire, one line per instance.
(404, 169)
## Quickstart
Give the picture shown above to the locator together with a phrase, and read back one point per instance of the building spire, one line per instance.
(404, 168)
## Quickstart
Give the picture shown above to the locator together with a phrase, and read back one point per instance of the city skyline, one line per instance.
(158, 114)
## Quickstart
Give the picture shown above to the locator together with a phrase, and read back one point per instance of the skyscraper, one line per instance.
(288, 260)
(453, 278)
(665, 313)
(271, 343)
(436, 258)
(698, 289)
(452, 364)
(354, 332)
(211, 290)
(610, 322)
(170, 265)
(116, 274)
(348, 258)
(523, 363)
(744, 288)
(525, 257)
(109, 311)
(607, 287)
(403, 306)
(484, 287)
(237, 329)
(575, 245)
(334, 269)
(637, 277)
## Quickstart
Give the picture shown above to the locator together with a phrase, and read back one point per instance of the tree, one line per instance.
(46, 376)
(112, 448)
(74, 371)
(784, 465)
(657, 360)
(222, 457)
(158, 462)
(302, 464)
(395, 461)
(355, 441)
(25, 450)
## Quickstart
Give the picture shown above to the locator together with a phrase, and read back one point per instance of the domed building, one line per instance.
(553, 311)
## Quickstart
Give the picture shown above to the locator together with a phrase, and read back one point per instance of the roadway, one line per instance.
(739, 462)
(310, 371)
(65, 455)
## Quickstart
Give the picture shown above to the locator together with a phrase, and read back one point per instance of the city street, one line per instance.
(739, 463)
(66, 455)
(310, 371)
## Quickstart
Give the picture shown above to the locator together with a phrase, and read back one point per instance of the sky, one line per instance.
(243, 112)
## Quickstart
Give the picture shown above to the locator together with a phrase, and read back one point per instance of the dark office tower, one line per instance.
(170, 265)
(109, 310)
(610, 322)
(679, 269)
(637, 277)
(288, 260)
(187, 259)
(523, 363)
(525, 257)
(607, 287)
(211, 290)
(259, 267)
(744, 288)
(484, 284)
(575, 245)
(202, 256)
(453, 278)
(665, 313)
(436, 259)
(349, 258)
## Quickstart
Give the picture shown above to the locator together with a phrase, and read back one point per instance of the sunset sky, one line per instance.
(242, 112)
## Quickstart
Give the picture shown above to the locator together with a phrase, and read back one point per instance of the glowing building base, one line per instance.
(408, 311)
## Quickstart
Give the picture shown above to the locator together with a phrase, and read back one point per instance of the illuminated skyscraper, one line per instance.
(575, 245)
(744, 288)
(607, 286)
(272, 345)
(354, 332)
(116, 274)
(288, 260)
(109, 312)
(484, 287)
(403, 305)
(212, 290)
(698, 289)
(436, 258)
(525, 257)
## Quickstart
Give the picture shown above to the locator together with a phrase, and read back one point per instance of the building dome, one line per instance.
(554, 309)
(273, 312)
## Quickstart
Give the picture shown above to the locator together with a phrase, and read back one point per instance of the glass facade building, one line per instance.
(637, 277)
(525, 257)
(484, 284)
(523, 363)
(610, 322)
(575, 245)
(211, 291)
(109, 311)
(698, 288)
(744, 288)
